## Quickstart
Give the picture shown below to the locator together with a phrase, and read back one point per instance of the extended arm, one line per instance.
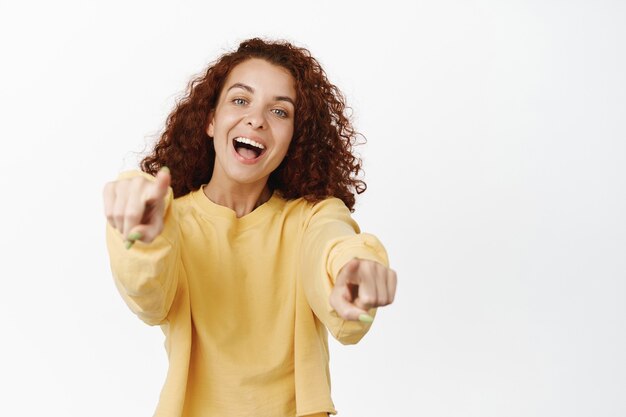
(331, 240)
(142, 240)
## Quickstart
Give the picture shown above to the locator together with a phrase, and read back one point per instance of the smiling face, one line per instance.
(252, 124)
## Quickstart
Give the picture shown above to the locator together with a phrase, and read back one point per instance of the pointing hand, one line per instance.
(135, 206)
(360, 286)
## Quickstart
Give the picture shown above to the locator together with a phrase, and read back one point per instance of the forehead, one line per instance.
(264, 77)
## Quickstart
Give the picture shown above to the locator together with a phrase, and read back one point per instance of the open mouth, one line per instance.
(247, 148)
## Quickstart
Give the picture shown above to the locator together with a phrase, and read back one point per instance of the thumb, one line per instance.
(347, 310)
(162, 181)
(342, 298)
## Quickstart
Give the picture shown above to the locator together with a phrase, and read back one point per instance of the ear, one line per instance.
(210, 130)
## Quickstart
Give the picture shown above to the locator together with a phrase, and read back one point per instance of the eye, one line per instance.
(239, 101)
(280, 113)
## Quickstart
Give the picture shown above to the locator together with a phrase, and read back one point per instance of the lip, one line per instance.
(241, 158)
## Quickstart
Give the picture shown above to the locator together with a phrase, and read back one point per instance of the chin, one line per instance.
(248, 179)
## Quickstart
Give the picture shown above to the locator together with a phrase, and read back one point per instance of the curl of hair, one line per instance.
(319, 162)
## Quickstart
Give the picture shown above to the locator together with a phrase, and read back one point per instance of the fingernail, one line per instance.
(129, 243)
(366, 318)
(134, 236)
(164, 169)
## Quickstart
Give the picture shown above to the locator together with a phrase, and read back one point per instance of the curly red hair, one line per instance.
(319, 163)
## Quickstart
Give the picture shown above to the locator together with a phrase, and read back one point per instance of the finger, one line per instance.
(349, 272)
(368, 294)
(152, 205)
(380, 279)
(392, 283)
(135, 208)
(119, 207)
(133, 214)
(359, 273)
(108, 195)
(159, 188)
(143, 232)
(340, 302)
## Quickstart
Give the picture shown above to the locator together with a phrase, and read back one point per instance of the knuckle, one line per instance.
(141, 183)
(118, 189)
(118, 216)
(135, 184)
(133, 215)
(367, 300)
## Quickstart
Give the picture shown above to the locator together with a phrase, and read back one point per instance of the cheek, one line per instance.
(286, 137)
(225, 120)
(284, 145)
(219, 144)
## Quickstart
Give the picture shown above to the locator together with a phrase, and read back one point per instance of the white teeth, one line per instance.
(250, 142)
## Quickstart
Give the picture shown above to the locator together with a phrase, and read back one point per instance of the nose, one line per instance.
(255, 118)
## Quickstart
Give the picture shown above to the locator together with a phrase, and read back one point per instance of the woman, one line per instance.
(246, 253)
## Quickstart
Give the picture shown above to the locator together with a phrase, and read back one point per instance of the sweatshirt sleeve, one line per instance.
(146, 275)
(331, 239)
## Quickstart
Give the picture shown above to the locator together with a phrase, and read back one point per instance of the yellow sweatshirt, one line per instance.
(243, 302)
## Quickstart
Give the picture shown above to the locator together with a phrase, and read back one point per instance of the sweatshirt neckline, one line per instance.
(211, 208)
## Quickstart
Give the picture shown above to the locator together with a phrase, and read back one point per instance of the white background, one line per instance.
(496, 164)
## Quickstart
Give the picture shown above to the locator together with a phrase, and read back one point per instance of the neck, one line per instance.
(242, 199)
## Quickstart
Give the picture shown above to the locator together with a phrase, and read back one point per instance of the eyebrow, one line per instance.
(251, 91)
